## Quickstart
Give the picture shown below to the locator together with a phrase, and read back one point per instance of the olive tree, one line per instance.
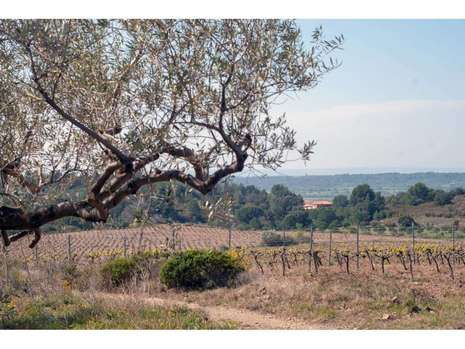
(123, 104)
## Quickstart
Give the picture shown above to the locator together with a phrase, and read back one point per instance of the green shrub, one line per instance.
(406, 221)
(118, 271)
(200, 269)
(70, 272)
(270, 238)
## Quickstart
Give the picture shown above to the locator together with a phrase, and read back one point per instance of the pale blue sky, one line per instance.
(397, 102)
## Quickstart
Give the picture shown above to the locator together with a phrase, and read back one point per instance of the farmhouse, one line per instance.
(314, 204)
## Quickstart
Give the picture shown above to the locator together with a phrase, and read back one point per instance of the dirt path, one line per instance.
(248, 319)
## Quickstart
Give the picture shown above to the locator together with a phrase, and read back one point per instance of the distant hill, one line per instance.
(328, 186)
(431, 214)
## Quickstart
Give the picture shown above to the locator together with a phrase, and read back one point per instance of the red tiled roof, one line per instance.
(317, 202)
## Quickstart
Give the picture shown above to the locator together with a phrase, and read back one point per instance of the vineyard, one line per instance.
(335, 279)
(326, 251)
(87, 246)
(395, 259)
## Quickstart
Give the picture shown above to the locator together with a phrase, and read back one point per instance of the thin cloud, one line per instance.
(409, 133)
(395, 107)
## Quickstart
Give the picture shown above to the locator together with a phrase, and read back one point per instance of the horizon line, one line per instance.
(350, 171)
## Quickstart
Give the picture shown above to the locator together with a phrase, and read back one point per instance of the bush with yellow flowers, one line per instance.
(8, 305)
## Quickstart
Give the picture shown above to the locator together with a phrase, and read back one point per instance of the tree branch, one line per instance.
(125, 159)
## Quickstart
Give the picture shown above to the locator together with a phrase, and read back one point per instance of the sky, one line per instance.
(397, 103)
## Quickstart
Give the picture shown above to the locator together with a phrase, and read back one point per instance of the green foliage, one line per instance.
(442, 197)
(340, 201)
(259, 210)
(420, 194)
(297, 219)
(365, 204)
(200, 269)
(406, 221)
(282, 201)
(249, 213)
(457, 191)
(270, 238)
(402, 198)
(194, 211)
(378, 215)
(174, 202)
(363, 207)
(118, 271)
(323, 217)
(360, 194)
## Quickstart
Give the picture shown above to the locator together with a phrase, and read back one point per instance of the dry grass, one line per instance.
(68, 311)
(59, 295)
(332, 298)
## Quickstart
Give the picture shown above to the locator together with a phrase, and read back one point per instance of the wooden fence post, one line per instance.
(358, 247)
(69, 248)
(413, 243)
(141, 238)
(330, 246)
(311, 239)
(283, 261)
(310, 251)
(7, 272)
(173, 238)
(229, 236)
(36, 254)
(125, 246)
(410, 264)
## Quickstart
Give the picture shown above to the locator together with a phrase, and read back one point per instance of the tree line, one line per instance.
(253, 208)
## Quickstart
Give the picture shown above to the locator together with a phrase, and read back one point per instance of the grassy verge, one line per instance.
(73, 312)
(366, 300)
